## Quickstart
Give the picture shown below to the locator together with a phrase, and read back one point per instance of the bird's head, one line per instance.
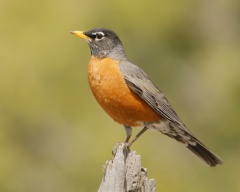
(102, 42)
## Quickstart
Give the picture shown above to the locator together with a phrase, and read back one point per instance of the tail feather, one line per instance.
(199, 149)
(205, 154)
(183, 135)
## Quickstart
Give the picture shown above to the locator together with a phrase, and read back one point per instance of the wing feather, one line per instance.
(138, 81)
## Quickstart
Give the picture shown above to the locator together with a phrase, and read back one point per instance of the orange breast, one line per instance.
(115, 97)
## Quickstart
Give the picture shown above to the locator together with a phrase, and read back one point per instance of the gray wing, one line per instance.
(139, 82)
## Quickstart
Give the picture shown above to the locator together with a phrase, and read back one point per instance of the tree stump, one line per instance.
(124, 173)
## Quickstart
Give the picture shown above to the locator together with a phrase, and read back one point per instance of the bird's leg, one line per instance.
(138, 135)
(128, 130)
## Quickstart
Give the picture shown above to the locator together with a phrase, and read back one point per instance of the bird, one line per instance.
(129, 97)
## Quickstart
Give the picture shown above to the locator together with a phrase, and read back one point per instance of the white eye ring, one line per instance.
(99, 35)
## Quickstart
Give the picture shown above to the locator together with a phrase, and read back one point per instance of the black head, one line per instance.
(102, 42)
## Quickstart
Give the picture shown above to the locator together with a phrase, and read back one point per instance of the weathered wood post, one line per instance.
(124, 173)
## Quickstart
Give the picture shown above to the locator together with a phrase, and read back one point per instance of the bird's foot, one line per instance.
(118, 144)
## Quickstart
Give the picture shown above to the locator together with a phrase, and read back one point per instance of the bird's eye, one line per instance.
(99, 35)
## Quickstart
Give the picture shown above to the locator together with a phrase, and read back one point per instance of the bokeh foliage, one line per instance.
(55, 137)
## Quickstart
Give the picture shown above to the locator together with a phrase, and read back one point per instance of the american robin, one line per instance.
(127, 94)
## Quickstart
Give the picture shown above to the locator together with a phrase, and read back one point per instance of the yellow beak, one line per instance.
(81, 34)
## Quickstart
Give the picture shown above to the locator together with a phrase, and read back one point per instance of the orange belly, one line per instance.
(115, 97)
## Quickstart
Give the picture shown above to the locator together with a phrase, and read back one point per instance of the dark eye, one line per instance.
(99, 35)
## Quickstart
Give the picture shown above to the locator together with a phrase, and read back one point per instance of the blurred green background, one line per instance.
(53, 134)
